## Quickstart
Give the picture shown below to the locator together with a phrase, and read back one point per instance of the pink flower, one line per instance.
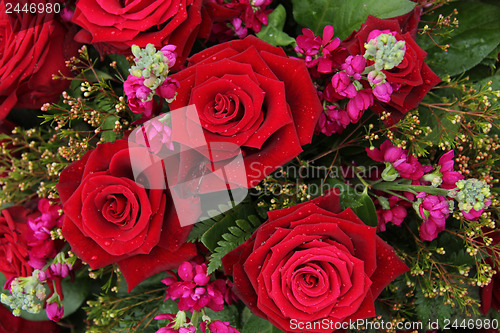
(332, 120)
(239, 28)
(354, 66)
(58, 269)
(310, 45)
(218, 326)
(375, 77)
(383, 92)
(396, 215)
(55, 311)
(195, 291)
(155, 135)
(170, 54)
(372, 36)
(410, 168)
(341, 83)
(434, 210)
(137, 94)
(357, 105)
(450, 177)
(168, 88)
(386, 153)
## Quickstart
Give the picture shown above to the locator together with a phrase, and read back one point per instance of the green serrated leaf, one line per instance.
(473, 40)
(273, 31)
(345, 15)
(254, 220)
(236, 231)
(243, 224)
(229, 238)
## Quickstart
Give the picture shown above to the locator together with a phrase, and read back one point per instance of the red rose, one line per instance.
(412, 78)
(11, 324)
(14, 250)
(311, 262)
(248, 94)
(109, 218)
(32, 49)
(115, 26)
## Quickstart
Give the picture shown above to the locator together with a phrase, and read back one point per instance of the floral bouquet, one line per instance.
(249, 166)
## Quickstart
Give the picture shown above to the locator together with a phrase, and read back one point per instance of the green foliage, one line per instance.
(473, 40)
(360, 203)
(254, 324)
(238, 234)
(345, 15)
(273, 31)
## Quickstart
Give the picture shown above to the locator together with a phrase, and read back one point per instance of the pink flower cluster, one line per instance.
(433, 209)
(241, 16)
(139, 93)
(195, 291)
(42, 247)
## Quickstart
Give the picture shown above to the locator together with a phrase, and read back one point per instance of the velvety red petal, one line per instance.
(138, 268)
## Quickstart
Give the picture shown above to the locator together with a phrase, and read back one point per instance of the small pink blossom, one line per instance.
(434, 210)
(137, 94)
(155, 135)
(354, 66)
(375, 77)
(383, 92)
(170, 54)
(357, 105)
(332, 120)
(450, 176)
(341, 83)
(168, 88)
(386, 153)
(372, 36)
(410, 168)
(55, 311)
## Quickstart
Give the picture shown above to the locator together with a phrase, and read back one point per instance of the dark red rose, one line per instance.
(312, 262)
(109, 218)
(113, 27)
(32, 49)
(14, 249)
(411, 79)
(248, 94)
(11, 324)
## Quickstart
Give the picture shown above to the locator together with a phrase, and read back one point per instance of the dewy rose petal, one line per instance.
(312, 262)
(109, 218)
(114, 28)
(250, 95)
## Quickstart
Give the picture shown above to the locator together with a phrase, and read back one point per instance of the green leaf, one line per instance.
(345, 15)
(473, 40)
(122, 64)
(107, 129)
(273, 31)
(361, 203)
(254, 324)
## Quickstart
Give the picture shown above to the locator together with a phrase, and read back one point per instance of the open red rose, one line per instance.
(109, 218)
(14, 249)
(411, 79)
(250, 95)
(113, 27)
(32, 49)
(311, 262)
